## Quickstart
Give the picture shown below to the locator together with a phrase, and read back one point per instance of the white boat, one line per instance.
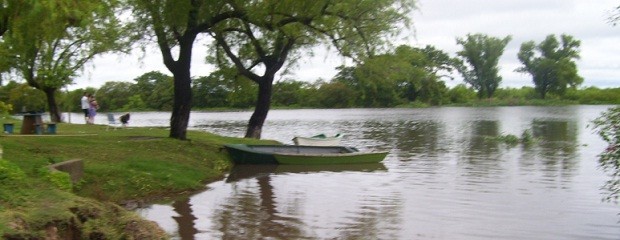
(318, 140)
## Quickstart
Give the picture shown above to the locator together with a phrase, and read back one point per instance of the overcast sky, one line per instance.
(439, 23)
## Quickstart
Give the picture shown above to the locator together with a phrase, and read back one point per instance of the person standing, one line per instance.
(92, 109)
(85, 106)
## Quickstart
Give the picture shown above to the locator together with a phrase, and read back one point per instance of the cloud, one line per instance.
(439, 23)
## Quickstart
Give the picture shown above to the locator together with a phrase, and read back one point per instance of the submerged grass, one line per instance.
(134, 164)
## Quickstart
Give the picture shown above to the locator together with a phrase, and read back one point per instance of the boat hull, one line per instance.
(298, 155)
(345, 158)
(241, 154)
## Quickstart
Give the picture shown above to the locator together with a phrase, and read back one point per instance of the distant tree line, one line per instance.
(153, 91)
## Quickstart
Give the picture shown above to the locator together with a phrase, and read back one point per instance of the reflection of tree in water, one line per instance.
(375, 220)
(481, 156)
(251, 215)
(251, 212)
(411, 137)
(185, 219)
(557, 145)
(418, 137)
(478, 143)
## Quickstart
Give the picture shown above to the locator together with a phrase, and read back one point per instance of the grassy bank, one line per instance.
(129, 165)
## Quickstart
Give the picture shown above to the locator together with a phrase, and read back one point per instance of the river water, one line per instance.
(443, 178)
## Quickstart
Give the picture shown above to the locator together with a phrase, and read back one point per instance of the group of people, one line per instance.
(89, 106)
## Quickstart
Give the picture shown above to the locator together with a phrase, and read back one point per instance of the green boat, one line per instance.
(300, 155)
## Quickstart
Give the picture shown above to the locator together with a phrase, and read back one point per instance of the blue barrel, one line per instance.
(51, 128)
(38, 129)
(8, 128)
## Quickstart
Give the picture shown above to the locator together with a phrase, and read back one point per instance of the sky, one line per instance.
(439, 23)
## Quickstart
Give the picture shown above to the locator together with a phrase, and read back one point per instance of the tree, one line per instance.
(608, 127)
(482, 54)
(49, 62)
(554, 69)
(43, 17)
(175, 25)
(430, 66)
(113, 96)
(216, 89)
(25, 98)
(407, 74)
(381, 77)
(288, 93)
(210, 91)
(273, 34)
(336, 95)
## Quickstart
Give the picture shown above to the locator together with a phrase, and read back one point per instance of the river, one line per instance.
(443, 178)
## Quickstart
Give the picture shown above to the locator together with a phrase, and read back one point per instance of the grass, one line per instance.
(120, 166)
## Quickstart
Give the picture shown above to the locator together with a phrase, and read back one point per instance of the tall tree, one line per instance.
(554, 69)
(482, 53)
(50, 61)
(274, 34)
(430, 66)
(175, 25)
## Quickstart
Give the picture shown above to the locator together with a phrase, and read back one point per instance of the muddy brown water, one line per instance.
(443, 178)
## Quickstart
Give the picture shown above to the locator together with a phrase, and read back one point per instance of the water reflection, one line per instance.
(243, 171)
(557, 149)
(185, 218)
(443, 179)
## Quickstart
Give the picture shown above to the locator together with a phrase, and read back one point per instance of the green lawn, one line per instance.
(125, 165)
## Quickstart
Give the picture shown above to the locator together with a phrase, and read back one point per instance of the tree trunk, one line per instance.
(263, 103)
(180, 69)
(182, 102)
(50, 93)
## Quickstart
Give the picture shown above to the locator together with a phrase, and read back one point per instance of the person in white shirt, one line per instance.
(85, 106)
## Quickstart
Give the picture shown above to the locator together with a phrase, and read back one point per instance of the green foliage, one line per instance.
(482, 53)
(554, 69)
(461, 94)
(134, 103)
(527, 138)
(608, 127)
(594, 95)
(10, 174)
(335, 95)
(287, 93)
(61, 180)
(25, 98)
(212, 91)
(114, 95)
(5, 108)
(156, 90)
(49, 56)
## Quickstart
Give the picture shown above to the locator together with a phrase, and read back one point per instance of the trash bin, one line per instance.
(38, 129)
(51, 128)
(8, 128)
